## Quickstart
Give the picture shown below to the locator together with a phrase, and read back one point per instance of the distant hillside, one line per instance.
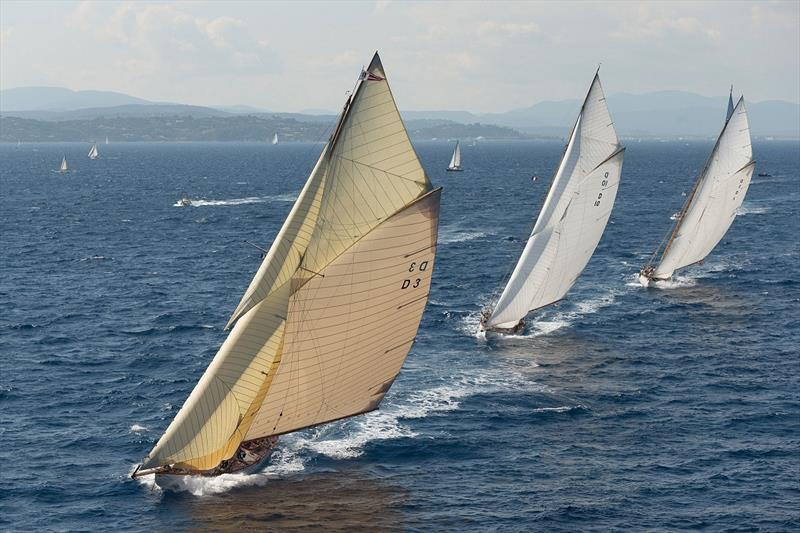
(659, 114)
(665, 113)
(130, 110)
(61, 99)
(214, 128)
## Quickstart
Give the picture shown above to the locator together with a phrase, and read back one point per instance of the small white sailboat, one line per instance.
(326, 323)
(63, 168)
(106, 139)
(275, 139)
(711, 206)
(571, 221)
(93, 153)
(455, 160)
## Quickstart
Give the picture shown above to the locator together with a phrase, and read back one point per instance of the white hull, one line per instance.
(644, 280)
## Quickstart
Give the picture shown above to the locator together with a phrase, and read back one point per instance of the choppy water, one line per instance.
(620, 408)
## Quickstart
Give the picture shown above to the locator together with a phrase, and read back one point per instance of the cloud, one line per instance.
(655, 24)
(492, 27)
(166, 39)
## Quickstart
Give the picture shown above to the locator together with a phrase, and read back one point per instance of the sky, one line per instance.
(475, 56)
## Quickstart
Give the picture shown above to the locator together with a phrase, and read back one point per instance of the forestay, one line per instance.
(718, 193)
(327, 321)
(573, 216)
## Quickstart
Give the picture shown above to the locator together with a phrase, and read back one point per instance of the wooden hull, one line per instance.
(249, 458)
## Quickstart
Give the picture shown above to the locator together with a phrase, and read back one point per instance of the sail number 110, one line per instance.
(602, 184)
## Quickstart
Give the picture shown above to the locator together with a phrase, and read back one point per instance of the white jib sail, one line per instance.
(573, 216)
(332, 312)
(718, 194)
(455, 161)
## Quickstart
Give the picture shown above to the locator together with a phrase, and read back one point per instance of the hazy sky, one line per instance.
(477, 56)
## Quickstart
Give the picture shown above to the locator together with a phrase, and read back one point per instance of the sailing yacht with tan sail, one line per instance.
(712, 205)
(329, 318)
(571, 221)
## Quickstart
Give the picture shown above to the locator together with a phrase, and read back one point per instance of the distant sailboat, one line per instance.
(571, 221)
(326, 323)
(106, 139)
(93, 153)
(455, 161)
(63, 168)
(711, 206)
(275, 139)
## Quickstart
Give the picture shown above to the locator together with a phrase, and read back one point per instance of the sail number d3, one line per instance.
(414, 282)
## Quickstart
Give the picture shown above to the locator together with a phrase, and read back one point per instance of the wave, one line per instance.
(452, 235)
(752, 210)
(136, 428)
(561, 409)
(289, 197)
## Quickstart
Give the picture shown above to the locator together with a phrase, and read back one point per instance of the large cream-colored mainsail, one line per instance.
(325, 325)
(712, 205)
(573, 216)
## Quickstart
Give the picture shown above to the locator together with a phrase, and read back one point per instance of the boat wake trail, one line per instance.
(564, 319)
(549, 323)
(348, 438)
(239, 201)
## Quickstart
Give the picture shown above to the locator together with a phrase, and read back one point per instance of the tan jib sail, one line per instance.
(324, 327)
(572, 219)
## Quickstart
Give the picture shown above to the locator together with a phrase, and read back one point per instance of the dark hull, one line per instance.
(249, 457)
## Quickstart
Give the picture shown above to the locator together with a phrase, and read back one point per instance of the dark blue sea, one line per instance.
(621, 408)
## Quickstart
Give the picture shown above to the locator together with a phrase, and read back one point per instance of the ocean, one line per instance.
(620, 408)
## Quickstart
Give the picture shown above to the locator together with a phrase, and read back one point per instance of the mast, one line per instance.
(729, 114)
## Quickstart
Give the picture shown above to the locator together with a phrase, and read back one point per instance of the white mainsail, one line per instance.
(93, 153)
(712, 205)
(275, 139)
(326, 323)
(455, 161)
(572, 219)
(63, 167)
(106, 139)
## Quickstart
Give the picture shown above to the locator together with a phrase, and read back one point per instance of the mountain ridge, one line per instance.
(655, 114)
